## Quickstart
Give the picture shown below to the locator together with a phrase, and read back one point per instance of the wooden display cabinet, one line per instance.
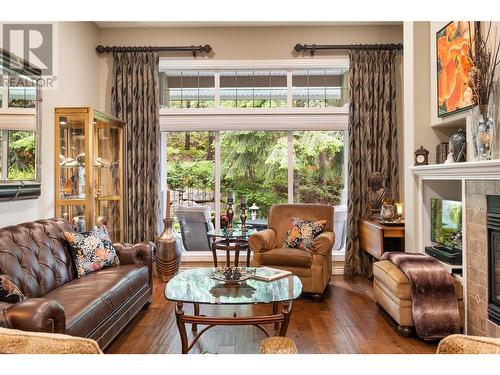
(89, 169)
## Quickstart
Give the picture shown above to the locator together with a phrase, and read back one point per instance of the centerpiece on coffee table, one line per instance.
(232, 275)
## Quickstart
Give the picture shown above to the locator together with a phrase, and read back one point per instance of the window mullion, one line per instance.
(289, 85)
(217, 171)
(217, 89)
(5, 91)
(290, 164)
(5, 154)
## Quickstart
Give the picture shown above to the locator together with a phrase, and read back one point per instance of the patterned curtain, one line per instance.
(372, 142)
(135, 100)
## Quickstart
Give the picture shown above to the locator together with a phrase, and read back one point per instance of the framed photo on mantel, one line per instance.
(453, 43)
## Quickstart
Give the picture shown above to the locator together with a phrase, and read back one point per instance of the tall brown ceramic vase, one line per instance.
(168, 248)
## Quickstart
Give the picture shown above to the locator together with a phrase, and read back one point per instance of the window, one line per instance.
(320, 87)
(268, 167)
(318, 175)
(21, 91)
(246, 87)
(288, 147)
(191, 168)
(253, 89)
(17, 127)
(17, 155)
(254, 164)
(187, 89)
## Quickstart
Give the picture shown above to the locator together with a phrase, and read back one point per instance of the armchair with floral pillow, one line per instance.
(299, 239)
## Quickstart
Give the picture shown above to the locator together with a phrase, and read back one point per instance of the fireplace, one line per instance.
(493, 221)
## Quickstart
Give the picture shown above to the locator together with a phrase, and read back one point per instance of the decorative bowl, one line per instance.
(232, 275)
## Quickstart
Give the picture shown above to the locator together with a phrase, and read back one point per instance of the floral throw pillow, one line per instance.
(10, 292)
(302, 233)
(91, 251)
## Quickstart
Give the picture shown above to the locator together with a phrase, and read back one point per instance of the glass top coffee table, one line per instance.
(197, 287)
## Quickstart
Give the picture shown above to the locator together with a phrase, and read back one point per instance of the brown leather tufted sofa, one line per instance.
(36, 257)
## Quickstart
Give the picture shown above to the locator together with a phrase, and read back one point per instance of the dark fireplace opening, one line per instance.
(493, 222)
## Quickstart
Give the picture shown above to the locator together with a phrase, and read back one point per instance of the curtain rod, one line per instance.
(193, 49)
(344, 47)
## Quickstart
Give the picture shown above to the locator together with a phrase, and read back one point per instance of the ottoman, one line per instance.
(278, 345)
(393, 294)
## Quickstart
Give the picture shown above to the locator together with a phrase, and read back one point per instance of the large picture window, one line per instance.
(263, 166)
(288, 146)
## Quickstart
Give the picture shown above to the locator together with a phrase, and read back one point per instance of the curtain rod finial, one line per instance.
(298, 47)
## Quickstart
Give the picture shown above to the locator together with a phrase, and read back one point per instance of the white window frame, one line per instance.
(219, 119)
(12, 119)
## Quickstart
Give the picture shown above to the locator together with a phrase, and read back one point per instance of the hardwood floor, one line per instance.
(345, 321)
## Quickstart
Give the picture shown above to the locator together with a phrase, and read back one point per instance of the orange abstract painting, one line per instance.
(454, 67)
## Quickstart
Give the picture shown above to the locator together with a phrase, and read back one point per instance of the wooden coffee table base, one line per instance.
(278, 319)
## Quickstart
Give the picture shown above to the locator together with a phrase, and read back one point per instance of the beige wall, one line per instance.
(77, 74)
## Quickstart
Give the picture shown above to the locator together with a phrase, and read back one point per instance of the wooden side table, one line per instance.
(376, 238)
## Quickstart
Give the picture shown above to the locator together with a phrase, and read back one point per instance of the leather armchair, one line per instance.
(314, 268)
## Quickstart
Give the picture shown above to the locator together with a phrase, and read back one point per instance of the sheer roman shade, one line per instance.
(18, 122)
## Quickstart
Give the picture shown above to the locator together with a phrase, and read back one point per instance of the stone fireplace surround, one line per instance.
(477, 257)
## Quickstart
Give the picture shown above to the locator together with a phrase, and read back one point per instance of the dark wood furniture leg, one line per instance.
(214, 252)
(228, 254)
(194, 326)
(275, 311)
(236, 253)
(248, 256)
(179, 314)
(286, 311)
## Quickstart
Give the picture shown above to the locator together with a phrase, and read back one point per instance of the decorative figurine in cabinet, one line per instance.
(89, 169)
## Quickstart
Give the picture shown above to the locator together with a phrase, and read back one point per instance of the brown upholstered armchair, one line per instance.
(314, 268)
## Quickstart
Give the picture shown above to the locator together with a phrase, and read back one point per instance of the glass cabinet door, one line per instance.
(108, 176)
(72, 157)
(89, 170)
(72, 170)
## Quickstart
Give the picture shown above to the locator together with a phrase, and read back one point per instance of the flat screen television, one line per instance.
(446, 223)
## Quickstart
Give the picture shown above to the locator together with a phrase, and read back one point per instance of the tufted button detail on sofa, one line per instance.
(36, 260)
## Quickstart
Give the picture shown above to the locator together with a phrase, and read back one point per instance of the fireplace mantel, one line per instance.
(472, 170)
